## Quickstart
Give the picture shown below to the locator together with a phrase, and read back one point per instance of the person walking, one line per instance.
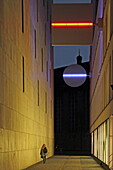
(43, 152)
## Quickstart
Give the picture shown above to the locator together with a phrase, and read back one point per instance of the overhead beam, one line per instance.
(72, 24)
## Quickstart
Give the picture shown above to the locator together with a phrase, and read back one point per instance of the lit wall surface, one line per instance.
(100, 138)
(101, 94)
(26, 83)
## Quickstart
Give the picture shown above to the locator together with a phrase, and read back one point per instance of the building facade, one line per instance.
(26, 82)
(101, 93)
(72, 136)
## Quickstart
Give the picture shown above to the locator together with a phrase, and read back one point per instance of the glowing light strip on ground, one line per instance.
(74, 75)
(75, 24)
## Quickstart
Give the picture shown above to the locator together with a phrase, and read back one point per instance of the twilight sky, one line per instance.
(66, 55)
(71, 1)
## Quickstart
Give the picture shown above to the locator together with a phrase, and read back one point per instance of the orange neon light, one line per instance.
(72, 24)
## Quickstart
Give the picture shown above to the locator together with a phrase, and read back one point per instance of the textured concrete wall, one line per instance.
(101, 93)
(26, 115)
(101, 96)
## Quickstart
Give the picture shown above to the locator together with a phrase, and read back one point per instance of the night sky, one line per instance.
(66, 55)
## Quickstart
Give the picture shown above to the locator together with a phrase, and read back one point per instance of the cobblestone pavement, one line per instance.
(67, 163)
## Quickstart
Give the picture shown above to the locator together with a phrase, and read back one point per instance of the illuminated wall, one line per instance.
(26, 82)
(101, 94)
(100, 140)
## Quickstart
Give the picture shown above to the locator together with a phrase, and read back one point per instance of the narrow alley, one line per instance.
(68, 163)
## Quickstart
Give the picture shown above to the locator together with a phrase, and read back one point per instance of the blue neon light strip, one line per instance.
(74, 75)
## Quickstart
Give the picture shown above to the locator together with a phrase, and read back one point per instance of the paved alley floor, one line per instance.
(67, 163)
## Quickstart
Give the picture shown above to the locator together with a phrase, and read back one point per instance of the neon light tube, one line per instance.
(74, 75)
(72, 24)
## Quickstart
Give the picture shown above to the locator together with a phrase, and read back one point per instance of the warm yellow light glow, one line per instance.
(72, 24)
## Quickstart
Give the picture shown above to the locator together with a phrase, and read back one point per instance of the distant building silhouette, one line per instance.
(72, 135)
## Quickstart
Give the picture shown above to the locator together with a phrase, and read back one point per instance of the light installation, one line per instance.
(72, 24)
(74, 75)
